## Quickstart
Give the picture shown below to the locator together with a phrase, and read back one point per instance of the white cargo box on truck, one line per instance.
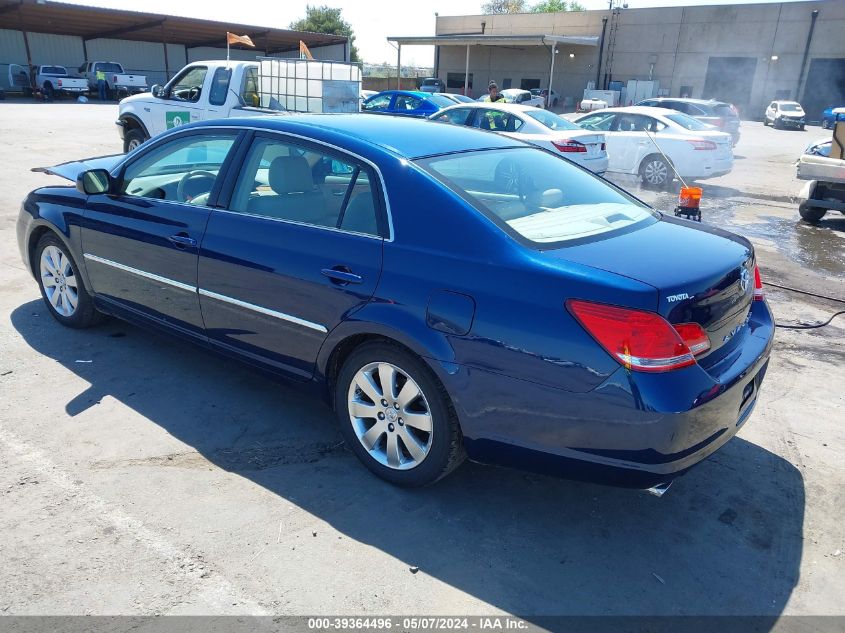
(301, 85)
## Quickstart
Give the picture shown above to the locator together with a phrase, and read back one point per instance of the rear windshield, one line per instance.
(789, 107)
(430, 82)
(536, 196)
(687, 122)
(724, 110)
(110, 68)
(53, 70)
(552, 121)
(439, 101)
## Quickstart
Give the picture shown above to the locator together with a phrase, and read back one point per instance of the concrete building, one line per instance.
(37, 32)
(746, 54)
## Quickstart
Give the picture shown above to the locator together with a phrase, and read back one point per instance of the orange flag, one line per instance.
(304, 53)
(231, 38)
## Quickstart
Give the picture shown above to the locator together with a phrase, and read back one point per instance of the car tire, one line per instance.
(802, 128)
(775, 124)
(656, 172)
(404, 454)
(825, 124)
(61, 284)
(132, 139)
(811, 214)
(49, 93)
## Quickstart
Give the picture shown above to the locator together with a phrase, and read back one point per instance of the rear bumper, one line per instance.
(635, 430)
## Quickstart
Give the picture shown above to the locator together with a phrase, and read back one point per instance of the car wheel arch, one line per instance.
(435, 351)
(133, 122)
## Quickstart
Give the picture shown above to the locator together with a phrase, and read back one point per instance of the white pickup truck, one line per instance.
(55, 80)
(220, 89)
(118, 82)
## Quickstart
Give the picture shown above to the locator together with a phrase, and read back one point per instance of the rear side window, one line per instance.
(724, 110)
(458, 116)
(497, 121)
(407, 102)
(688, 123)
(284, 181)
(536, 196)
(220, 86)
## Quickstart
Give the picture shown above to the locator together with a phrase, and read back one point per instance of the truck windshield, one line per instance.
(536, 196)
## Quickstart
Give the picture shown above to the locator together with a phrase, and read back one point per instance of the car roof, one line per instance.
(415, 93)
(408, 137)
(516, 108)
(513, 90)
(786, 101)
(688, 100)
(647, 110)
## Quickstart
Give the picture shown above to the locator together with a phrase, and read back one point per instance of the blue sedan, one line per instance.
(406, 103)
(451, 292)
(829, 118)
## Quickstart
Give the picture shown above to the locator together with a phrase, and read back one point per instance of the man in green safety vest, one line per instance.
(101, 85)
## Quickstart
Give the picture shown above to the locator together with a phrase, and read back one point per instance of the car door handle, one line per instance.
(341, 275)
(182, 240)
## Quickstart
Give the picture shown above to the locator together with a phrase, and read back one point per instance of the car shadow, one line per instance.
(725, 539)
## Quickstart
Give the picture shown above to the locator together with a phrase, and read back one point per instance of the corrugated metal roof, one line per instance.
(59, 18)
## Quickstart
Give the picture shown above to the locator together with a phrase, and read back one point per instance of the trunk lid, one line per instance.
(702, 275)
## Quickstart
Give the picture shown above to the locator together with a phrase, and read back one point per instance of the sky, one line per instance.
(372, 20)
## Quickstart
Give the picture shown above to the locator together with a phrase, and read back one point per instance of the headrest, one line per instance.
(290, 174)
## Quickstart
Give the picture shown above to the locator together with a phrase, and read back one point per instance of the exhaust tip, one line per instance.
(659, 490)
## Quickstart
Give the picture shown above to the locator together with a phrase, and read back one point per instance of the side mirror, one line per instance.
(93, 182)
(156, 91)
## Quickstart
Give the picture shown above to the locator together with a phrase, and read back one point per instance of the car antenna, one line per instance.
(689, 199)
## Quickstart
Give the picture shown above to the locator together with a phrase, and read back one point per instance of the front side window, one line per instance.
(188, 86)
(377, 103)
(599, 122)
(284, 181)
(182, 170)
(536, 196)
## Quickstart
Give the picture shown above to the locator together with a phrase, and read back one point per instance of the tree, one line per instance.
(325, 19)
(496, 7)
(554, 6)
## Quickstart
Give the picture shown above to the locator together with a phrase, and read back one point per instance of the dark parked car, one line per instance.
(721, 115)
(450, 291)
(406, 103)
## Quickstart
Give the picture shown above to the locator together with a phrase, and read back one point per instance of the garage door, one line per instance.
(825, 86)
(729, 79)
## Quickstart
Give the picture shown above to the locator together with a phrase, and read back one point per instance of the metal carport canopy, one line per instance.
(478, 39)
(60, 18)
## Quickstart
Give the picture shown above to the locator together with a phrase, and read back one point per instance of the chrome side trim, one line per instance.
(140, 273)
(263, 310)
(207, 293)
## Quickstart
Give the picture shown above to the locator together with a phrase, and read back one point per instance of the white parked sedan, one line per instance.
(533, 125)
(637, 134)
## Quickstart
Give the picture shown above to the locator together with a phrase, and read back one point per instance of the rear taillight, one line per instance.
(60, 83)
(114, 79)
(568, 146)
(641, 341)
(758, 285)
(694, 337)
(701, 144)
(603, 147)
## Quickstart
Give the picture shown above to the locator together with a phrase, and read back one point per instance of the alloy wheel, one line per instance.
(133, 144)
(59, 281)
(656, 172)
(390, 415)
